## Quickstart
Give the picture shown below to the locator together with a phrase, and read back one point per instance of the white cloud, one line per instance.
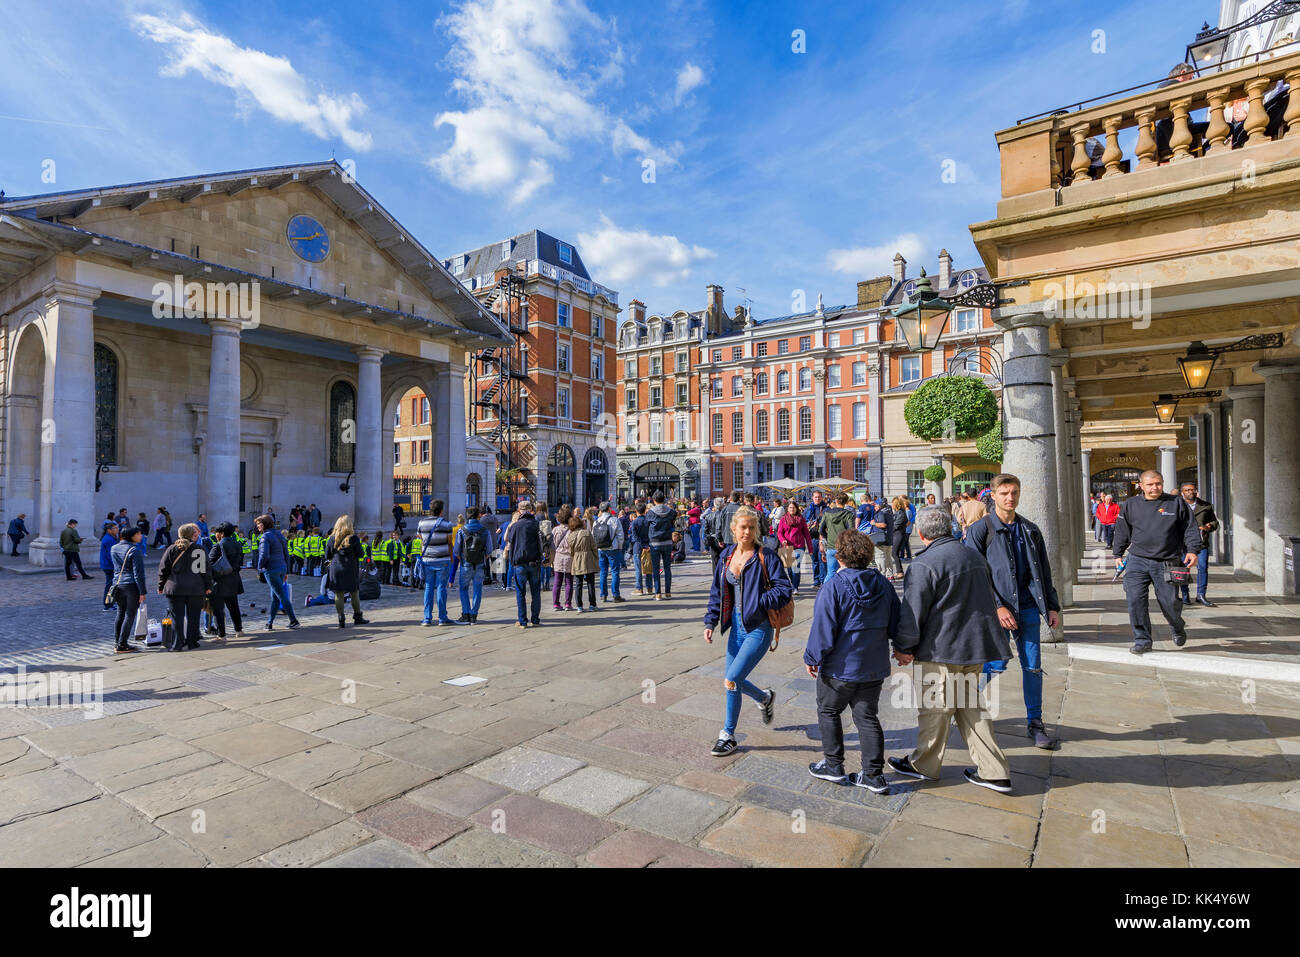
(688, 78)
(530, 70)
(258, 79)
(866, 261)
(616, 256)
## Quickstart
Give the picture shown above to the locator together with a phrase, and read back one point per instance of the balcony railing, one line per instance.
(540, 268)
(1051, 152)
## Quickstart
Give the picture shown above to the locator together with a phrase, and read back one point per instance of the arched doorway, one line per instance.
(473, 489)
(971, 482)
(595, 477)
(656, 477)
(561, 476)
(1120, 482)
(26, 392)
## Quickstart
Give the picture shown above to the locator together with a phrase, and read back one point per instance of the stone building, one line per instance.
(561, 430)
(228, 344)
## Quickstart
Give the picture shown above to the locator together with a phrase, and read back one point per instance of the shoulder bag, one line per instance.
(779, 618)
(111, 597)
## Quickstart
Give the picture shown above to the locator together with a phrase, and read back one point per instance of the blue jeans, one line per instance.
(528, 577)
(642, 579)
(435, 584)
(611, 565)
(794, 569)
(471, 575)
(661, 554)
(695, 537)
(1202, 574)
(745, 649)
(1031, 660)
(547, 572)
(279, 597)
(832, 566)
(818, 562)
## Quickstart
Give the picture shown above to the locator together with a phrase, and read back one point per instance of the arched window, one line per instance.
(968, 279)
(561, 468)
(760, 425)
(783, 425)
(595, 477)
(783, 381)
(760, 384)
(473, 488)
(343, 427)
(105, 406)
(805, 379)
(805, 424)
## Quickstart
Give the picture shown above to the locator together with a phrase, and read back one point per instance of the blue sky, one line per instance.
(773, 170)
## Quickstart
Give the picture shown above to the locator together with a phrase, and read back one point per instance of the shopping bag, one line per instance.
(168, 634)
(786, 554)
(154, 634)
(141, 622)
(499, 562)
(645, 561)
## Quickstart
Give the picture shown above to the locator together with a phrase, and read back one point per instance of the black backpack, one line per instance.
(474, 547)
(369, 588)
(603, 536)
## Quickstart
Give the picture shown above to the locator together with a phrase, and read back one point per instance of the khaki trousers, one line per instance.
(949, 692)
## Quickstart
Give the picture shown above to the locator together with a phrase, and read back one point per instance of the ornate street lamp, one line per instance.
(924, 317)
(1166, 405)
(1199, 361)
(1207, 50)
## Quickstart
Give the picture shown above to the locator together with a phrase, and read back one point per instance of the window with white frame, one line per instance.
(783, 347)
(909, 288)
(760, 426)
(968, 279)
(805, 424)
(597, 404)
(656, 431)
(679, 430)
(969, 360)
(859, 373)
(630, 396)
(805, 379)
(859, 420)
(833, 376)
(783, 426)
(737, 387)
(859, 470)
(566, 253)
(737, 428)
(966, 320)
(717, 355)
(597, 366)
(762, 349)
(737, 352)
(632, 432)
(424, 410)
(562, 358)
(683, 396)
(805, 343)
(717, 387)
(656, 365)
(737, 475)
(783, 381)
(629, 368)
(397, 417)
(909, 369)
(424, 451)
(597, 327)
(682, 362)
(397, 453)
(656, 396)
(562, 314)
(717, 428)
(833, 413)
(717, 477)
(562, 403)
(833, 340)
(760, 383)
(859, 336)
(837, 468)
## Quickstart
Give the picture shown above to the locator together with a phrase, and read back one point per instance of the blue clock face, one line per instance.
(308, 238)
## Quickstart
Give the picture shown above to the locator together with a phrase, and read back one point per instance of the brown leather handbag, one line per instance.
(779, 618)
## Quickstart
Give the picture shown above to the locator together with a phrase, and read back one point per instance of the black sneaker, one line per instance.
(463, 620)
(904, 767)
(768, 707)
(875, 783)
(1139, 648)
(824, 771)
(1041, 737)
(723, 747)
(1202, 600)
(293, 625)
(1002, 786)
(1180, 640)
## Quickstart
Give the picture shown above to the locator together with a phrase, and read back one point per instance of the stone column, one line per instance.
(1281, 463)
(219, 479)
(449, 468)
(1247, 478)
(68, 451)
(1169, 467)
(1214, 470)
(1086, 456)
(937, 487)
(1030, 448)
(1063, 571)
(369, 457)
(819, 420)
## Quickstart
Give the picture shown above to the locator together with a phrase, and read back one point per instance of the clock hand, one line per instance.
(304, 238)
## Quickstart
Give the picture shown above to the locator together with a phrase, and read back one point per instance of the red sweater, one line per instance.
(1106, 514)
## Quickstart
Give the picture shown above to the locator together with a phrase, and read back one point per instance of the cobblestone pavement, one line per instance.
(587, 744)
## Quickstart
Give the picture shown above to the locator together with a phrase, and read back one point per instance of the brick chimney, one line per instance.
(872, 291)
(717, 316)
(638, 311)
(900, 267)
(945, 269)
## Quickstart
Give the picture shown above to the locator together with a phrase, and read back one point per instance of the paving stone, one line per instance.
(765, 837)
(673, 812)
(208, 724)
(1141, 805)
(74, 835)
(594, 790)
(367, 731)
(319, 846)
(1202, 853)
(13, 722)
(110, 765)
(371, 786)
(86, 737)
(413, 708)
(257, 743)
(790, 776)
(638, 849)
(243, 824)
(914, 845)
(1253, 827)
(1073, 840)
(544, 824)
(381, 853)
(19, 758)
(321, 717)
(457, 794)
(411, 824)
(867, 820)
(146, 773)
(166, 851)
(525, 769)
(211, 681)
(318, 766)
(30, 795)
(289, 707)
(461, 719)
(439, 752)
(986, 823)
(682, 750)
(717, 784)
(482, 848)
(192, 788)
(512, 731)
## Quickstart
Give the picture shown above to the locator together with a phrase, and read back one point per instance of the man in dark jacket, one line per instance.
(854, 619)
(70, 541)
(272, 563)
(1022, 578)
(435, 554)
(728, 513)
(17, 531)
(949, 622)
(712, 523)
(813, 516)
(523, 547)
(1207, 522)
(835, 521)
(1158, 530)
(663, 521)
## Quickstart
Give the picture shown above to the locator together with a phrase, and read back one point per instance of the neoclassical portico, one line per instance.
(242, 374)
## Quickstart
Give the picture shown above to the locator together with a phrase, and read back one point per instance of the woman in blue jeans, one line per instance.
(748, 582)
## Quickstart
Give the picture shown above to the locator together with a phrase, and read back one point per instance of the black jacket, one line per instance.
(992, 538)
(1203, 513)
(344, 564)
(950, 612)
(226, 586)
(1161, 529)
(183, 570)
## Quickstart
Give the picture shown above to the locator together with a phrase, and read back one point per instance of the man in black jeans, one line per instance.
(523, 548)
(663, 520)
(1158, 530)
(1206, 522)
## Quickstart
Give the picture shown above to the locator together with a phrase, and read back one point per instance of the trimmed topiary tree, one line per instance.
(951, 408)
(935, 473)
(989, 445)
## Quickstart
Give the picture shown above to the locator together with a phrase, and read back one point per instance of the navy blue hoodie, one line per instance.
(854, 619)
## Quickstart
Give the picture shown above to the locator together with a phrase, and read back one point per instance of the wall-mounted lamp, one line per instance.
(198, 443)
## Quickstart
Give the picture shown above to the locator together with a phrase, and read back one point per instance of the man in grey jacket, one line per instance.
(435, 545)
(949, 623)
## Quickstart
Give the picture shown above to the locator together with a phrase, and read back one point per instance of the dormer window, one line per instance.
(967, 279)
(566, 253)
(458, 265)
(505, 249)
(909, 288)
